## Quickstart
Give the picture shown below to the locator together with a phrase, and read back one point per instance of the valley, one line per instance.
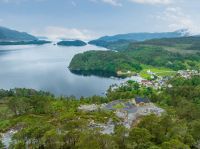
(122, 94)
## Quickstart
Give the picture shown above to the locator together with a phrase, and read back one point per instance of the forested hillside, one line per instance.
(107, 62)
(176, 54)
(45, 121)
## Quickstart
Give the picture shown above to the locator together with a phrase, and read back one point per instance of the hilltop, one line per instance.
(13, 35)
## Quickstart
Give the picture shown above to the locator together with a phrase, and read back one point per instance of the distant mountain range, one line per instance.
(8, 35)
(145, 36)
(111, 42)
(135, 37)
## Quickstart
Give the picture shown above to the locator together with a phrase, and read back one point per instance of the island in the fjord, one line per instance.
(77, 43)
(13, 37)
(167, 54)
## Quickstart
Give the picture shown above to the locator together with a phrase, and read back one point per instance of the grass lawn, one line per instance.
(161, 71)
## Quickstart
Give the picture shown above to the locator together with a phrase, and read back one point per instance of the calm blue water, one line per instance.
(45, 68)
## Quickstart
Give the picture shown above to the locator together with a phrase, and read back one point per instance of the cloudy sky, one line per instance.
(87, 19)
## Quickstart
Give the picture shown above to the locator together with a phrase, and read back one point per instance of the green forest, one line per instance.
(175, 54)
(103, 61)
(46, 121)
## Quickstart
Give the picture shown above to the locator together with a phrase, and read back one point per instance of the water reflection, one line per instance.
(45, 68)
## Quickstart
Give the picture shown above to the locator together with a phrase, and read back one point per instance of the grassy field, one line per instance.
(158, 71)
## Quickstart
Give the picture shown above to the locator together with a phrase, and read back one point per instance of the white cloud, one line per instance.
(177, 19)
(163, 2)
(56, 33)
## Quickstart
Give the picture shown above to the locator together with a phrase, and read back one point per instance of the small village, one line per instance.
(188, 73)
(130, 111)
(158, 82)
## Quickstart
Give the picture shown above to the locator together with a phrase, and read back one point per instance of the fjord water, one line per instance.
(46, 68)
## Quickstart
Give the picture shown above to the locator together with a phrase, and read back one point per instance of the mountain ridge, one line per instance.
(123, 40)
(142, 36)
(7, 34)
